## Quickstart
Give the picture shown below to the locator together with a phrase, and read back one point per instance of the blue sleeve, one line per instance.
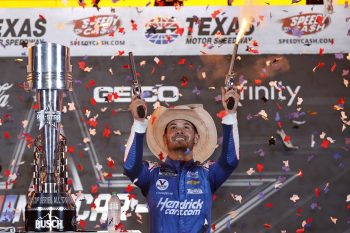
(228, 161)
(136, 169)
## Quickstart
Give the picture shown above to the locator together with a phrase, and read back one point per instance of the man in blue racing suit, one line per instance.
(179, 188)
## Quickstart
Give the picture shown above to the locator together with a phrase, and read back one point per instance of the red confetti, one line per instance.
(299, 210)
(70, 149)
(325, 144)
(257, 81)
(300, 230)
(131, 196)
(161, 156)
(92, 122)
(110, 163)
(182, 61)
(341, 101)
(92, 19)
(213, 226)
(111, 34)
(319, 19)
(300, 173)
(333, 67)
(82, 65)
(7, 173)
(106, 132)
(93, 101)
(260, 167)
(133, 25)
(94, 188)
(6, 135)
(36, 106)
(321, 51)
(255, 43)
(286, 138)
(69, 181)
(129, 188)
(268, 205)
(82, 224)
(121, 30)
(80, 167)
(120, 226)
(82, 3)
(279, 124)
(179, 31)
(320, 65)
(215, 14)
(93, 205)
(214, 197)
(221, 114)
(42, 17)
(317, 192)
(184, 83)
(120, 53)
(9, 205)
(267, 226)
(92, 83)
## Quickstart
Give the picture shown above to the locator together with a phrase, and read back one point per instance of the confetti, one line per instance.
(294, 198)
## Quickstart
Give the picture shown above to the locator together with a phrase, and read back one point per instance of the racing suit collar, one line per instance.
(178, 164)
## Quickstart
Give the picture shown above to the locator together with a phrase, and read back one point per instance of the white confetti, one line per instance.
(162, 78)
(300, 100)
(348, 198)
(71, 106)
(204, 75)
(25, 124)
(110, 71)
(334, 220)
(346, 82)
(142, 63)
(323, 135)
(86, 140)
(294, 198)
(251, 171)
(92, 132)
(156, 60)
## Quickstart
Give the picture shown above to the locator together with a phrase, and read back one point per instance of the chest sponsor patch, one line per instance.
(162, 184)
(184, 208)
(194, 175)
(163, 171)
(194, 191)
(193, 182)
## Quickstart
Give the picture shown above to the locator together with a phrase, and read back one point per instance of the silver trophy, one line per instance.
(50, 207)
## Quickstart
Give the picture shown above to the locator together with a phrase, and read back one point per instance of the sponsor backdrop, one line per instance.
(273, 187)
(184, 31)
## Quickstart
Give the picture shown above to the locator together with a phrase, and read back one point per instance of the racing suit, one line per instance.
(179, 193)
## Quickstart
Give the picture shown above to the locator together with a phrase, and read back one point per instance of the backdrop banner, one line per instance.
(177, 31)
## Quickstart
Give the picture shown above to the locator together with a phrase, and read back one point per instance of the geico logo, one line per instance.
(154, 93)
(58, 224)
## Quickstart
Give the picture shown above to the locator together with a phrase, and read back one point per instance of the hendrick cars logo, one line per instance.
(161, 30)
(96, 26)
(305, 24)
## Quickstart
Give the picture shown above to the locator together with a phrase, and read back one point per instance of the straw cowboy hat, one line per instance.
(193, 113)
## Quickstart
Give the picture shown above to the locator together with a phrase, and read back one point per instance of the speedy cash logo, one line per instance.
(162, 30)
(96, 26)
(305, 24)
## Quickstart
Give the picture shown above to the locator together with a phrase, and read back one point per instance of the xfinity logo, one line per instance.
(162, 184)
(273, 92)
(51, 222)
(151, 93)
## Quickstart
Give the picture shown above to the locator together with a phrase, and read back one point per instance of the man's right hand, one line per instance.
(135, 103)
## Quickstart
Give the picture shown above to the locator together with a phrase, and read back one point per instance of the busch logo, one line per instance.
(184, 208)
(96, 26)
(305, 24)
(51, 222)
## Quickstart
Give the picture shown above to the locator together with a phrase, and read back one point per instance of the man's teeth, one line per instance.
(180, 138)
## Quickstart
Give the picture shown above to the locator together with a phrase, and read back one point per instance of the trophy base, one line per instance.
(50, 212)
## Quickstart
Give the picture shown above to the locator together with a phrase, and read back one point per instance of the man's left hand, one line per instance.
(225, 95)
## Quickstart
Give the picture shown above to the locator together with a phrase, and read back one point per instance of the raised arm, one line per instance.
(228, 160)
(136, 169)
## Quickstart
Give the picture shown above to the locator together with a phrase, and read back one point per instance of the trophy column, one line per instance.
(50, 207)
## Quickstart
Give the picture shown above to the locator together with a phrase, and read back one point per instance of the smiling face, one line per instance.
(180, 136)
